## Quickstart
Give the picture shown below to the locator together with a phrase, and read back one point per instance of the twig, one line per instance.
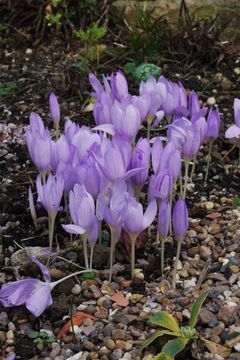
(203, 274)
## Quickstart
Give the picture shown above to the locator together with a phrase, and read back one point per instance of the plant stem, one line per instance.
(51, 222)
(171, 203)
(176, 263)
(148, 130)
(193, 168)
(162, 253)
(186, 161)
(112, 250)
(85, 252)
(54, 283)
(100, 233)
(133, 238)
(208, 163)
(181, 184)
(91, 257)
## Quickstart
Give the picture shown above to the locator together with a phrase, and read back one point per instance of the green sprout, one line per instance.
(183, 334)
(41, 337)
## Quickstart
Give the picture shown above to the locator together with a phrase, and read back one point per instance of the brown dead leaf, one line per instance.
(77, 319)
(120, 299)
(216, 349)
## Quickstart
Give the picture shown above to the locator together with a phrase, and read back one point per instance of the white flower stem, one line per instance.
(112, 250)
(133, 238)
(176, 263)
(208, 163)
(193, 168)
(54, 283)
(100, 233)
(162, 253)
(51, 223)
(91, 257)
(85, 251)
(186, 161)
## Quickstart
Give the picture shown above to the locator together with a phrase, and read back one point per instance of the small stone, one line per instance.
(10, 335)
(237, 347)
(116, 354)
(56, 350)
(76, 290)
(214, 229)
(118, 334)
(88, 345)
(3, 336)
(211, 101)
(135, 298)
(236, 70)
(124, 345)
(28, 51)
(189, 283)
(205, 316)
(205, 252)
(87, 322)
(103, 351)
(234, 268)
(110, 344)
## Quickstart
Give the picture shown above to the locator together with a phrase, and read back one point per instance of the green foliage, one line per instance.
(92, 34)
(54, 19)
(88, 276)
(183, 335)
(41, 337)
(143, 71)
(8, 90)
(147, 35)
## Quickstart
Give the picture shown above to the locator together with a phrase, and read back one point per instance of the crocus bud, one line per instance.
(119, 85)
(163, 219)
(213, 124)
(54, 108)
(180, 219)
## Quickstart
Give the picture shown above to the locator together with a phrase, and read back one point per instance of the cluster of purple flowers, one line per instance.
(102, 171)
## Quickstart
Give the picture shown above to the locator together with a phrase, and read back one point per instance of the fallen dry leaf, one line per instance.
(119, 299)
(216, 349)
(77, 319)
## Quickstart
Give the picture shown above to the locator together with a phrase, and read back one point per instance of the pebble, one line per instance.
(116, 354)
(118, 334)
(110, 344)
(76, 290)
(88, 345)
(211, 101)
(126, 356)
(237, 347)
(56, 350)
(206, 316)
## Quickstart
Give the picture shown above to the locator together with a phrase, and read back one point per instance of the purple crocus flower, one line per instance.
(36, 123)
(50, 193)
(140, 158)
(39, 146)
(170, 102)
(82, 212)
(142, 104)
(97, 86)
(11, 356)
(102, 109)
(119, 86)
(180, 219)
(160, 185)
(83, 140)
(54, 108)
(29, 291)
(126, 121)
(155, 92)
(135, 221)
(164, 218)
(234, 130)
(213, 124)
(70, 129)
(156, 154)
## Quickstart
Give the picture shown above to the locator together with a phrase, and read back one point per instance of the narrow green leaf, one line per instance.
(163, 356)
(155, 336)
(166, 320)
(196, 307)
(175, 346)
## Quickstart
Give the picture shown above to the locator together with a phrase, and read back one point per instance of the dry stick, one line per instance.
(203, 273)
(208, 163)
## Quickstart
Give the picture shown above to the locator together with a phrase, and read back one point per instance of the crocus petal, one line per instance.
(74, 229)
(16, 293)
(107, 128)
(43, 269)
(11, 356)
(150, 214)
(39, 300)
(54, 107)
(94, 231)
(232, 132)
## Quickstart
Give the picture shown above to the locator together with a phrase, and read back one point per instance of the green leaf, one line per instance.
(236, 201)
(32, 334)
(88, 276)
(143, 71)
(129, 67)
(196, 307)
(175, 346)
(155, 336)
(167, 321)
(162, 356)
